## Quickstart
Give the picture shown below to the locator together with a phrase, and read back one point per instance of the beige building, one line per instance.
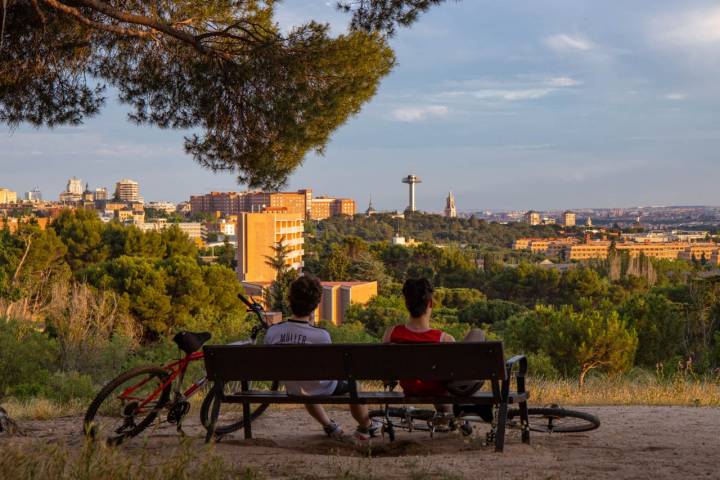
(569, 219)
(549, 246)
(195, 230)
(338, 296)
(7, 196)
(667, 250)
(127, 190)
(698, 251)
(533, 218)
(258, 233)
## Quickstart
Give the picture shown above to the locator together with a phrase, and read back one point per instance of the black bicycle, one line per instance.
(550, 419)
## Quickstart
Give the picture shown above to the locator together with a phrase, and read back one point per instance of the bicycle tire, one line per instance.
(104, 394)
(226, 429)
(550, 420)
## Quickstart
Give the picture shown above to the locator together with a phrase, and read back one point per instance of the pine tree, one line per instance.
(284, 276)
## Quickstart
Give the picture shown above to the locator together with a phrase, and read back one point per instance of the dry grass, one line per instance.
(43, 409)
(624, 391)
(642, 390)
(33, 460)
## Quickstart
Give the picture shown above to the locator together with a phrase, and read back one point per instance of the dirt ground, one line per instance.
(633, 442)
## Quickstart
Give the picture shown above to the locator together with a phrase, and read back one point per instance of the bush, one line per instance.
(348, 332)
(27, 357)
(489, 312)
(64, 387)
(576, 342)
(379, 314)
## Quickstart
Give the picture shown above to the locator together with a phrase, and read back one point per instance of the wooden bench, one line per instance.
(354, 362)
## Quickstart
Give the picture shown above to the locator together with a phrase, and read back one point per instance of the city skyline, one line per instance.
(510, 106)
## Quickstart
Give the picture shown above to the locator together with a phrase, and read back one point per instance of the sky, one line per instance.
(510, 104)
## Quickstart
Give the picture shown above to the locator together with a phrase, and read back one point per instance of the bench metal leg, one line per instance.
(247, 421)
(525, 421)
(216, 392)
(502, 420)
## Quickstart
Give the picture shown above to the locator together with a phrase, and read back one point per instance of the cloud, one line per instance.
(510, 91)
(512, 95)
(692, 28)
(676, 96)
(563, 42)
(563, 82)
(420, 113)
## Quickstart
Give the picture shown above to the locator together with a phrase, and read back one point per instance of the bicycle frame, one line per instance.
(178, 368)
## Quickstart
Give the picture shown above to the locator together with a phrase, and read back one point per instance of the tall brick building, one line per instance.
(300, 202)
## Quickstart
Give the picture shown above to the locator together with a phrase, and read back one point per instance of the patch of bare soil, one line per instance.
(633, 442)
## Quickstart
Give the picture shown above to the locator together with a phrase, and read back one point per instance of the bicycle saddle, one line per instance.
(190, 342)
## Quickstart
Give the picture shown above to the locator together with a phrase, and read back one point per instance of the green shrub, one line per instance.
(540, 365)
(489, 312)
(27, 357)
(576, 342)
(348, 332)
(66, 386)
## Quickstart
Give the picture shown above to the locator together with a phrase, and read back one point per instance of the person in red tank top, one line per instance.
(418, 295)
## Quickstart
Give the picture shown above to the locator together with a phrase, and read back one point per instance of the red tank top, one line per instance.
(402, 334)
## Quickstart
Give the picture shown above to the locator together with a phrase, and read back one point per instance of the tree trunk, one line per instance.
(583, 372)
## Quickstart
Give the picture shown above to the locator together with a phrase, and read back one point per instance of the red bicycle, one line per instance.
(132, 401)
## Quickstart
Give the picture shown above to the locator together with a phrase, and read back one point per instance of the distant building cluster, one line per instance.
(223, 204)
(568, 219)
(571, 248)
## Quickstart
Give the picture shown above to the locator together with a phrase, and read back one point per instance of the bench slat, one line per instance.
(263, 396)
(444, 361)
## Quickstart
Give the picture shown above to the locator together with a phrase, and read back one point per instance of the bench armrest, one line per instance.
(520, 360)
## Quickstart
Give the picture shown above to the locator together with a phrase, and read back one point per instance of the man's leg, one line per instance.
(360, 414)
(318, 413)
(475, 335)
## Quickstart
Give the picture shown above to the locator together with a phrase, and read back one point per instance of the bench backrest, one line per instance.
(441, 361)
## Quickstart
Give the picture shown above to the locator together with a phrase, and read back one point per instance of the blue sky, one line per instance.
(512, 105)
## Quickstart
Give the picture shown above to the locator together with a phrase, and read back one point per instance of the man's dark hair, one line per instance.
(304, 296)
(417, 292)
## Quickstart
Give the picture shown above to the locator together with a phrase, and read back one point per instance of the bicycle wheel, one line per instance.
(555, 420)
(127, 405)
(236, 422)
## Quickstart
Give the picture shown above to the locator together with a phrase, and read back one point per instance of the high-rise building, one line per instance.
(7, 196)
(33, 195)
(101, 194)
(533, 218)
(411, 180)
(74, 186)
(127, 190)
(569, 219)
(450, 210)
(258, 233)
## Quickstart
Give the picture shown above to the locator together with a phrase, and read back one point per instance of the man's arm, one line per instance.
(388, 334)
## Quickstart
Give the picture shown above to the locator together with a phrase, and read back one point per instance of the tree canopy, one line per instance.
(255, 99)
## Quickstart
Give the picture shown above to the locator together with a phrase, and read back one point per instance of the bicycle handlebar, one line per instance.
(245, 300)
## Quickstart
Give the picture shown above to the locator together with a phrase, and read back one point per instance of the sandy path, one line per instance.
(633, 442)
